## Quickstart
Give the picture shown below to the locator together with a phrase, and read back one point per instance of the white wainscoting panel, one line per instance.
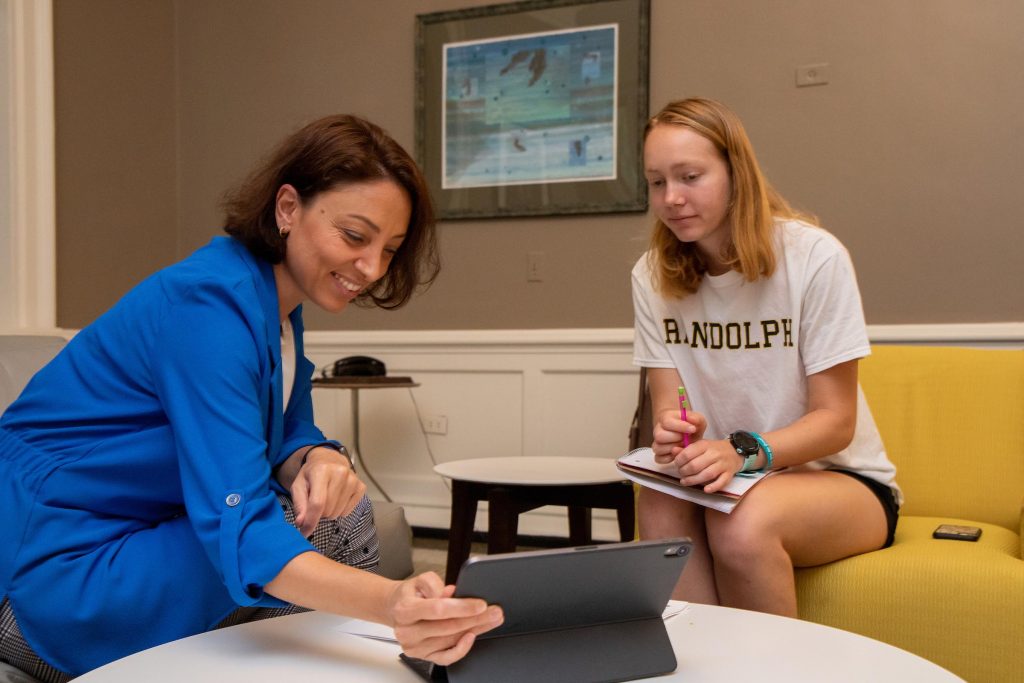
(542, 394)
(515, 392)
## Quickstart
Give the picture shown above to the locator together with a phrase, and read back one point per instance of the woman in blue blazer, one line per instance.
(164, 470)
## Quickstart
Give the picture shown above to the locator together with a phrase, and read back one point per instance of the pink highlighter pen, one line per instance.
(683, 405)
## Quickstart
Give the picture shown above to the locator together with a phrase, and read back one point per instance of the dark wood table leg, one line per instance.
(626, 511)
(460, 534)
(507, 502)
(580, 518)
(502, 521)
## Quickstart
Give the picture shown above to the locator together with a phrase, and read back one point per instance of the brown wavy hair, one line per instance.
(324, 155)
(753, 205)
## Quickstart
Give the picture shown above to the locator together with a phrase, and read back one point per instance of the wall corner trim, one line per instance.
(33, 166)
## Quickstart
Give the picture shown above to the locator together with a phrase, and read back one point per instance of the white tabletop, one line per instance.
(711, 643)
(532, 470)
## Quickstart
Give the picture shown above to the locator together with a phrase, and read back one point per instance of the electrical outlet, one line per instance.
(812, 74)
(435, 424)
(535, 266)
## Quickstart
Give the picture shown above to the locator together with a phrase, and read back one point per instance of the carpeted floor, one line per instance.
(431, 554)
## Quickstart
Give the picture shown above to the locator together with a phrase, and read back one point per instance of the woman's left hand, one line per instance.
(325, 487)
(708, 463)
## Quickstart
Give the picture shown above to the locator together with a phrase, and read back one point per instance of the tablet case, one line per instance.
(588, 614)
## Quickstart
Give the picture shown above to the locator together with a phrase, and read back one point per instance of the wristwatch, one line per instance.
(348, 456)
(747, 447)
(341, 449)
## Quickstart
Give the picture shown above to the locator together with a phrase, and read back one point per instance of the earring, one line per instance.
(282, 230)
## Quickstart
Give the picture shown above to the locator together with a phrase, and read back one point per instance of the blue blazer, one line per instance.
(136, 486)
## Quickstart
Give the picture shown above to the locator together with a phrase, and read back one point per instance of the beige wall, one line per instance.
(912, 154)
(116, 123)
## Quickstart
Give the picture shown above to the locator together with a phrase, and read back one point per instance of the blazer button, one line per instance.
(233, 500)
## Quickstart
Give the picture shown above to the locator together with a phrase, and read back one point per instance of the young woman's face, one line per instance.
(339, 243)
(689, 186)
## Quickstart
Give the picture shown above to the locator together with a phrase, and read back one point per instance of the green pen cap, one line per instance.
(683, 401)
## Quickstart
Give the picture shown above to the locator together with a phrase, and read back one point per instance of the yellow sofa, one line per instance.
(953, 423)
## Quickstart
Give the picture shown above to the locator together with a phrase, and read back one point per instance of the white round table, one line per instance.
(536, 470)
(515, 485)
(712, 645)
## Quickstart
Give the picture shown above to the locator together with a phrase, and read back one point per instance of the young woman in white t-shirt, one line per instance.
(756, 311)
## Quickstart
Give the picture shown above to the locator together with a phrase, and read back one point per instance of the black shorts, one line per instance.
(886, 496)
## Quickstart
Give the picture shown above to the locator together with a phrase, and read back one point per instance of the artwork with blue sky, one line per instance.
(535, 108)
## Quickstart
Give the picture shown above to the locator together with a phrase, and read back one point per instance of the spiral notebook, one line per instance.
(640, 466)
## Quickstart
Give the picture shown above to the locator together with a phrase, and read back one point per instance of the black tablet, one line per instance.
(591, 613)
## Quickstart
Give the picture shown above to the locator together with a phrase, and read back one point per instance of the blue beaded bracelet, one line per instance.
(767, 451)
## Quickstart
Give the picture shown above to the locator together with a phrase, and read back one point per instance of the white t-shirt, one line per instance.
(744, 349)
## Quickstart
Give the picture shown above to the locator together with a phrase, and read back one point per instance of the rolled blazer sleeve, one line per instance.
(214, 371)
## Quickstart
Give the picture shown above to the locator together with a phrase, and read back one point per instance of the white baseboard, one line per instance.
(1009, 334)
(611, 338)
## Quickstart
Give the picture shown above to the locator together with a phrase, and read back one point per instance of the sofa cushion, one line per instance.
(953, 602)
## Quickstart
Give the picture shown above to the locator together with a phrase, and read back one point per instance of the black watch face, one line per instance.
(744, 443)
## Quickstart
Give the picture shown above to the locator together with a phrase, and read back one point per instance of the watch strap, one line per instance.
(768, 455)
(334, 447)
(749, 459)
(748, 463)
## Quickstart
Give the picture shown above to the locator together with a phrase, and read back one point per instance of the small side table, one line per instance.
(355, 384)
(515, 485)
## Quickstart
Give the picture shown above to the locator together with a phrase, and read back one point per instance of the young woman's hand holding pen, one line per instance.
(669, 429)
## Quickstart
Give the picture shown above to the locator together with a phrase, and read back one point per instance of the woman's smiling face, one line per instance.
(339, 243)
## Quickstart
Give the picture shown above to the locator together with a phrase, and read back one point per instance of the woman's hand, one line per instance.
(710, 464)
(324, 488)
(707, 463)
(669, 429)
(430, 624)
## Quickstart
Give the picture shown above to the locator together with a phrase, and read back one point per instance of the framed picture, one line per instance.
(533, 108)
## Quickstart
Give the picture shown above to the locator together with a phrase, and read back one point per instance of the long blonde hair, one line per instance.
(753, 204)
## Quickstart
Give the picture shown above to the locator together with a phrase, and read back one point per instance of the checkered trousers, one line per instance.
(16, 652)
(351, 540)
